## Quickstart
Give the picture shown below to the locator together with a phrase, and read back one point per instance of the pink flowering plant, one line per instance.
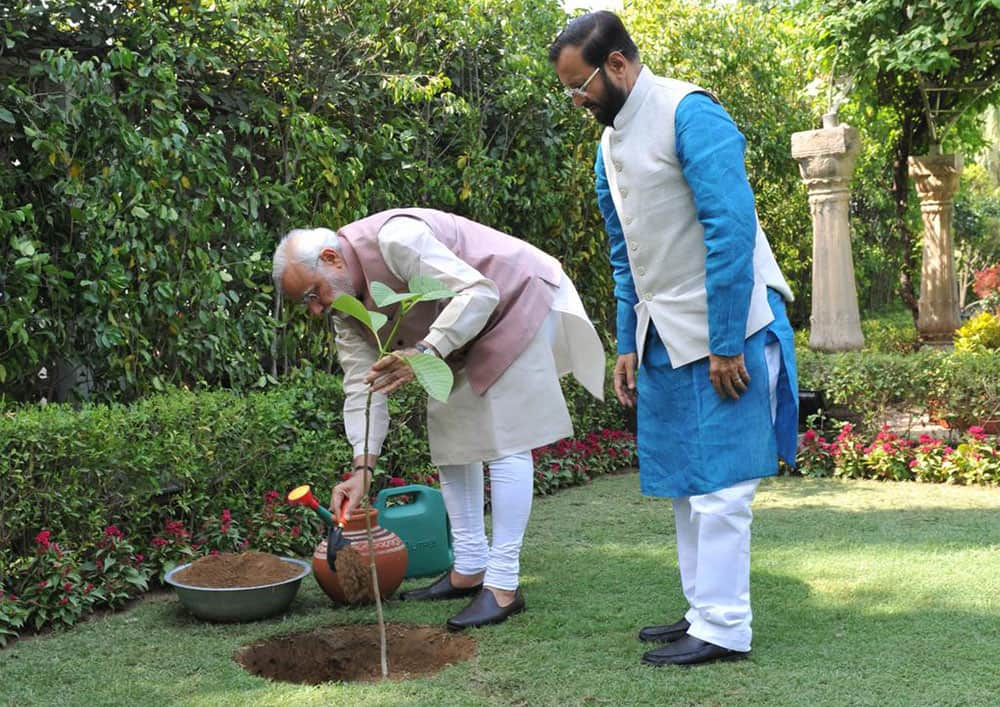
(52, 589)
(571, 462)
(888, 456)
(171, 547)
(848, 454)
(276, 531)
(116, 572)
(222, 534)
(975, 459)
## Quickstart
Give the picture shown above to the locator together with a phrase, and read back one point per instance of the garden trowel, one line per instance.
(335, 540)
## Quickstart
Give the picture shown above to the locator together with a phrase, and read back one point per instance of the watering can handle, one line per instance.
(385, 494)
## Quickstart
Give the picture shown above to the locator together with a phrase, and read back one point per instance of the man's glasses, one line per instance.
(581, 90)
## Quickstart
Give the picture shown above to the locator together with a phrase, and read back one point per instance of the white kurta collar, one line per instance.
(643, 83)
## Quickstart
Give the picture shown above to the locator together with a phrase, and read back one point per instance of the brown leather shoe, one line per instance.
(442, 588)
(484, 611)
(664, 634)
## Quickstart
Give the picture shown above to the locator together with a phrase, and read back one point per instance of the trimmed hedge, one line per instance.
(959, 388)
(185, 456)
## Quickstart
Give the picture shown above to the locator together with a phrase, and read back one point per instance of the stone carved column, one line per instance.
(936, 178)
(826, 161)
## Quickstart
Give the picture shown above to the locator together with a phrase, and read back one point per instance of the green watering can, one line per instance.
(422, 525)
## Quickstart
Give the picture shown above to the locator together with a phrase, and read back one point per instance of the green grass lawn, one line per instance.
(864, 593)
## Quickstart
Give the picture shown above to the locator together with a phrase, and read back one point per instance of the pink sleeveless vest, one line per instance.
(525, 276)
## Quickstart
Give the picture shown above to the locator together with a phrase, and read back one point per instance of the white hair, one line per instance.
(301, 246)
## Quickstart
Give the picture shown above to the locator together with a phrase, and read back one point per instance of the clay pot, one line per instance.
(391, 556)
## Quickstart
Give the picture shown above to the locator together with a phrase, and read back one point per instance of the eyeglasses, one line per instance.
(581, 90)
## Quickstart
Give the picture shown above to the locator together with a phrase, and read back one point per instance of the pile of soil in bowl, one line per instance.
(352, 654)
(228, 570)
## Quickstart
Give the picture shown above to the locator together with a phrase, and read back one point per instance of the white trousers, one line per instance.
(713, 551)
(512, 490)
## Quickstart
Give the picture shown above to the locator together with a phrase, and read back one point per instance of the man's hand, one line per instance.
(350, 492)
(391, 372)
(625, 379)
(728, 375)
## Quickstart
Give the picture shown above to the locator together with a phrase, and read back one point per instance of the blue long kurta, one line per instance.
(690, 440)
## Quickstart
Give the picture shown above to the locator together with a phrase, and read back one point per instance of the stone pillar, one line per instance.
(936, 178)
(826, 160)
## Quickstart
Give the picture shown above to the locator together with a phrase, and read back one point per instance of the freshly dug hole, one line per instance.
(352, 654)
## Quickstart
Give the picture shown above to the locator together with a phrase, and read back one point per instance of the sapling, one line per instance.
(431, 372)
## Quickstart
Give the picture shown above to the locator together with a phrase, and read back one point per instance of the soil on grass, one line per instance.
(228, 570)
(352, 654)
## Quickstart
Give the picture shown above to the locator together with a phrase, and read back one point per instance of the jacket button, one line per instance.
(641, 271)
(618, 166)
(633, 245)
(648, 297)
(628, 219)
(624, 193)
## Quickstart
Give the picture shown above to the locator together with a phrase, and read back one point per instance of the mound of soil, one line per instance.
(228, 570)
(352, 654)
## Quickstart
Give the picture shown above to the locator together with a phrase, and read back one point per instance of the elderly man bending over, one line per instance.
(516, 325)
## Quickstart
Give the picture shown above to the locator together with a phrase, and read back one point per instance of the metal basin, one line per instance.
(238, 603)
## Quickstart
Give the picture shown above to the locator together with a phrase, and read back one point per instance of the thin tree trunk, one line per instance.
(901, 198)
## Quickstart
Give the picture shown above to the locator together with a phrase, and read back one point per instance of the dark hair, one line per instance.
(597, 34)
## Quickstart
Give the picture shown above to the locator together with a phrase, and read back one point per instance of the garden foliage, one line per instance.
(131, 491)
(960, 389)
(154, 151)
(891, 457)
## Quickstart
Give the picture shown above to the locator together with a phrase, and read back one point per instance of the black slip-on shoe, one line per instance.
(441, 589)
(484, 611)
(690, 651)
(664, 633)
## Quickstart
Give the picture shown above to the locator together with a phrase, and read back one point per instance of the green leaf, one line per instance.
(140, 212)
(429, 289)
(384, 296)
(6, 116)
(433, 374)
(352, 307)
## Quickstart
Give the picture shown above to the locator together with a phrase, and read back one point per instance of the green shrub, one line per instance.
(960, 388)
(186, 473)
(981, 334)
(891, 457)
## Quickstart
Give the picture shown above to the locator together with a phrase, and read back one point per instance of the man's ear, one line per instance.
(332, 256)
(617, 63)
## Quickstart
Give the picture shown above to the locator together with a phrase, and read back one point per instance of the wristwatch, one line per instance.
(421, 347)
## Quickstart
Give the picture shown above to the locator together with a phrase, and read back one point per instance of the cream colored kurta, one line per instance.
(524, 409)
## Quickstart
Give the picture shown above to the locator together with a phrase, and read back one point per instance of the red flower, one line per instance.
(67, 586)
(296, 531)
(215, 552)
(397, 481)
(977, 432)
(158, 542)
(43, 584)
(89, 588)
(271, 497)
(42, 539)
(139, 557)
(227, 517)
(112, 531)
(64, 601)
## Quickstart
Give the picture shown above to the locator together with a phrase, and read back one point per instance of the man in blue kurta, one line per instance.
(705, 350)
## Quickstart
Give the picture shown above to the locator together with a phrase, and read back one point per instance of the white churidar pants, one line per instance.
(713, 551)
(512, 491)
